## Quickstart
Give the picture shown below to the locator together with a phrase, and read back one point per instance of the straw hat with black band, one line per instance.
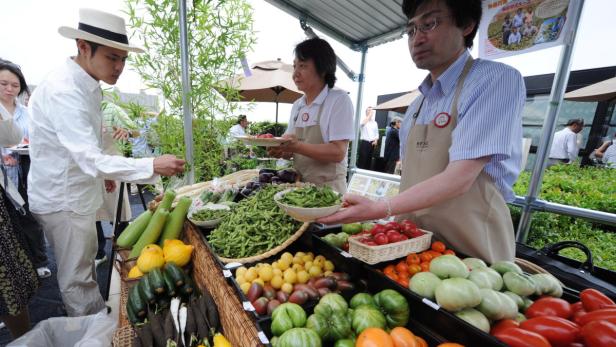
(100, 27)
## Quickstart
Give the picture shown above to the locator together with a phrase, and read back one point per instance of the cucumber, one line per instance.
(168, 198)
(136, 303)
(152, 231)
(169, 284)
(157, 282)
(176, 274)
(175, 221)
(146, 291)
(133, 231)
(132, 317)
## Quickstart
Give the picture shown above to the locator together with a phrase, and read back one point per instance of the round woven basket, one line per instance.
(272, 251)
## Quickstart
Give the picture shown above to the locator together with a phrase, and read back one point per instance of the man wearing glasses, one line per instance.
(461, 141)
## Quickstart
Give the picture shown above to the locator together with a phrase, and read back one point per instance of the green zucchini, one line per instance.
(176, 274)
(152, 231)
(175, 221)
(146, 291)
(169, 284)
(157, 282)
(168, 198)
(133, 231)
(136, 303)
(132, 317)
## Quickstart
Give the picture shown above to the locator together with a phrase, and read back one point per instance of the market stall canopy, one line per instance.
(600, 91)
(399, 104)
(356, 23)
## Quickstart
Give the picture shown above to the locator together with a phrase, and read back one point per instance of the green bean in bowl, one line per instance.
(207, 214)
(311, 197)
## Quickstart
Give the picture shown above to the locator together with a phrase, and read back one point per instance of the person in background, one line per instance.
(518, 19)
(69, 170)
(506, 29)
(515, 37)
(18, 279)
(461, 151)
(369, 138)
(565, 148)
(321, 122)
(392, 146)
(13, 86)
(239, 129)
(607, 153)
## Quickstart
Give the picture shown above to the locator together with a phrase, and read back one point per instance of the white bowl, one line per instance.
(207, 223)
(304, 214)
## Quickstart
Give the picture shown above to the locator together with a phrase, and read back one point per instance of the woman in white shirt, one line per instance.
(321, 122)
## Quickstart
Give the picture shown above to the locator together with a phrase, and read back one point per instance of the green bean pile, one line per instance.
(255, 226)
(311, 196)
(208, 214)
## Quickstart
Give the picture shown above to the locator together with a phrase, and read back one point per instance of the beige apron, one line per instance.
(477, 223)
(314, 171)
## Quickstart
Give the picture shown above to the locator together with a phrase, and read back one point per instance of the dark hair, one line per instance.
(240, 118)
(93, 47)
(463, 11)
(576, 121)
(323, 56)
(15, 70)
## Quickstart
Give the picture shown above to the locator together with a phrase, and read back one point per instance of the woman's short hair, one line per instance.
(323, 56)
(15, 70)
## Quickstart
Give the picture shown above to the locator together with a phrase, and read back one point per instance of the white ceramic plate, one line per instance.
(207, 223)
(254, 141)
(304, 214)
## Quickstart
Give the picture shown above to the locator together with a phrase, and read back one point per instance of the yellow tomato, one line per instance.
(287, 256)
(277, 272)
(303, 276)
(287, 288)
(240, 279)
(240, 271)
(328, 266)
(315, 271)
(266, 273)
(250, 274)
(276, 282)
(297, 267)
(283, 264)
(290, 276)
(258, 280)
(245, 286)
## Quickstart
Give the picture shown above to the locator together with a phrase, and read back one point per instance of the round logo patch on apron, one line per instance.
(442, 120)
(305, 116)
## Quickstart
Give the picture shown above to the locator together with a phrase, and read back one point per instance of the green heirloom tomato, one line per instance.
(448, 266)
(527, 303)
(475, 318)
(345, 343)
(547, 284)
(352, 229)
(455, 294)
(329, 328)
(299, 337)
(367, 226)
(287, 316)
(510, 308)
(366, 316)
(516, 298)
(503, 266)
(361, 299)
(491, 304)
(424, 284)
(474, 263)
(394, 306)
(486, 278)
(331, 302)
(518, 283)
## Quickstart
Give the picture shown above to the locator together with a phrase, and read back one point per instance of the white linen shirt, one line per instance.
(67, 163)
(236, 130)
(564, 145)
(370, 131)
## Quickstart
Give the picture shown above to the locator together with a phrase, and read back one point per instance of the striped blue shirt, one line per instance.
(489, 116)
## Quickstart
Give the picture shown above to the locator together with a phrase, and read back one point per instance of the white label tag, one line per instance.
(232, 266)
(227, 273)
(346, 254)
(248, 306)
(431, 303)
(263, 338)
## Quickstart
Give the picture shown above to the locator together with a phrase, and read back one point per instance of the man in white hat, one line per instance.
(65, 184)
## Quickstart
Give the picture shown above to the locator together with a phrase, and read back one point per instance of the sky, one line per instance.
(30, 39)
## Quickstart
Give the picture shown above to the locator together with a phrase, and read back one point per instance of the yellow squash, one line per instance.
(221, 341)
(151, 257)
(178, 252)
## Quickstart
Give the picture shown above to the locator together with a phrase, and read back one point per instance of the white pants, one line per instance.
(73, 239)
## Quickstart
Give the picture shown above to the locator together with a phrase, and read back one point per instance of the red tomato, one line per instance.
(548, 306)
(516, 337)
(603, 314)
(599, 334)
(593, 299)
(392, 225)
(393, 236)
(504, 324)
(403, 237)
(377, 229)
(380, 239)
(560, 332)
(576, 307)
(416, 233)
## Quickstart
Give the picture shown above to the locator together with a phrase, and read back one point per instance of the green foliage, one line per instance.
(588, 187)
(219, 34)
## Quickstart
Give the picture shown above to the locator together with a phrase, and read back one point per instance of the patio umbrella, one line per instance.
(600, 91)
(399, 104)
(271, 81)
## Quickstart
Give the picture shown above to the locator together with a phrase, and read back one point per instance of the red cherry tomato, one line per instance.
(599, 334)
(560, 332)
(516, 337)
(593, 299)
(548, 306)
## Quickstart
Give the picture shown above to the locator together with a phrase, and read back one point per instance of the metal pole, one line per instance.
(186, 105)
(358, 110)
(556, 97)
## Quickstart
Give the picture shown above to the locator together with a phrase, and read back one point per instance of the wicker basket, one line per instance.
(532, 268)
(376, 254)
(272, 251)
(123, 337)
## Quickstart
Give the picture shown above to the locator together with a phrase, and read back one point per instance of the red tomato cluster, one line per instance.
(392, 232)
(554, 322)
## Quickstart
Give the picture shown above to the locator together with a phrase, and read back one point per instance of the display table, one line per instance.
(238, 326)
